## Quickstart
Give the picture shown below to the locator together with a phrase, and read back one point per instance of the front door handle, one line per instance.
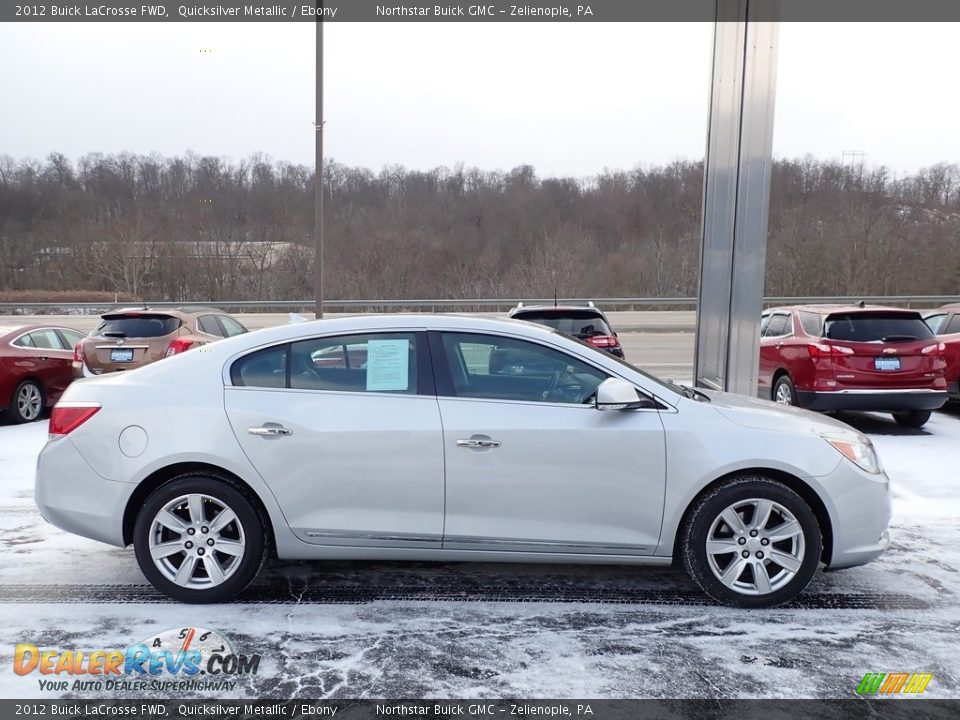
(481, 443)
(270, 431)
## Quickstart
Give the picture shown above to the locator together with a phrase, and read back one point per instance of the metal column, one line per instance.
(736, 197)
(318, 177)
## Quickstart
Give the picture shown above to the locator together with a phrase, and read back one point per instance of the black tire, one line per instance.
(707, 509)
(789, 390)
(16, 413)
(249, 528)
(913, 419)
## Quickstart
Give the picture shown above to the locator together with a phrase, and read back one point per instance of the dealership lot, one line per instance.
(457, 630)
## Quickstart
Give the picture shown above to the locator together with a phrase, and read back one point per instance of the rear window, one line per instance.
(876, 327)
(138, 326)
(579, 323)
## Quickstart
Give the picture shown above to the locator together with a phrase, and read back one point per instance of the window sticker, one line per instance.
(387, 365)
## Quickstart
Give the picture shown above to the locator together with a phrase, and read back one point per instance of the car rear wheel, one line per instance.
(751, 542)
(27, 404)
(783, 391)
(913, 418)
(199, 539)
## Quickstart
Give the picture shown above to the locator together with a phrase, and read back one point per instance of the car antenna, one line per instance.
(862, 303)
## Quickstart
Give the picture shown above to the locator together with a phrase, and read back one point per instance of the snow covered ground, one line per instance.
(483, 631)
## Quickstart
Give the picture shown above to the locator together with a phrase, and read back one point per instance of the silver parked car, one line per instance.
(451, 438)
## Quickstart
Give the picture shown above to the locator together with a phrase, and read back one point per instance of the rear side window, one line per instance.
(935, 321)
(385, 362)
(579, 323)
(138, 326)
(810, 322)
(265, 368)
(778, 326)
(43, 339)
(876, 327)
(208, 324)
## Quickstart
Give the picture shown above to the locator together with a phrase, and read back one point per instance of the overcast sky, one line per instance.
(569, 99)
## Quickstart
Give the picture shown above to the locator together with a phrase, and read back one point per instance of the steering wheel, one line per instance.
(552, 385)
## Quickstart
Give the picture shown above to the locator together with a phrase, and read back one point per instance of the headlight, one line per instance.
(860, 452)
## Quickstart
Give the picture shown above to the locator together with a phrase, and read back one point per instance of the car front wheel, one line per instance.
(199, 539)
(751, 542)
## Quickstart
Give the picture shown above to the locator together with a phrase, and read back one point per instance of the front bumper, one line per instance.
(860, 515)
(72, 496)
(877, 400)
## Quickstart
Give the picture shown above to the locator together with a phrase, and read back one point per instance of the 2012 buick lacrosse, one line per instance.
(451, 439)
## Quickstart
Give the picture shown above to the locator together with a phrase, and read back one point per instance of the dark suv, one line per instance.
(585, 323)
(852, 357)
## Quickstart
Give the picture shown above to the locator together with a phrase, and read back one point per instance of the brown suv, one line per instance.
(128, 339)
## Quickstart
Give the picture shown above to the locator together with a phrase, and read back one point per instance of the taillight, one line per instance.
(935, 349)
(825, 350)
(78, 352)
(603, 341)
(178, 346)
(64, 419)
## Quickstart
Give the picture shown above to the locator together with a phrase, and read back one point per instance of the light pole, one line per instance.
(318, 177)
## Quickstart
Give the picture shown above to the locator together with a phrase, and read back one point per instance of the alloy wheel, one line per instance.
(197, 541)
(783, 395)
(755, 546)
(29, 402)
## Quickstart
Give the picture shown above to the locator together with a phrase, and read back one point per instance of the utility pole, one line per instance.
(318, 178)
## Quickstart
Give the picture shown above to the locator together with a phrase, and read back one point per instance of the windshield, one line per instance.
(578, 323)
(876, 327)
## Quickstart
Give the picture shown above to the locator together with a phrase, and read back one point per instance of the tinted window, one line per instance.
(500, 368)
(779, 325)
(876, 327)
(579, 323)
(45, 339)
(935, 321)
(265, 368)
(139, 326)
(384, 362)
(231, 326)
(208, 324)
(764, 321)
(810, 323)
(953, 326)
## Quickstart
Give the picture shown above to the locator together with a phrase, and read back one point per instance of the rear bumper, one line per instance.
(72, 496)
(953, 390)
(879, 400)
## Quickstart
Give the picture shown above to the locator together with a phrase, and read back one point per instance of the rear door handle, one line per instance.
(478, 443)
(270, 431)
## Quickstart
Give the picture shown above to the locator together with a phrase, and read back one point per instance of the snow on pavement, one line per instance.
(533, 634)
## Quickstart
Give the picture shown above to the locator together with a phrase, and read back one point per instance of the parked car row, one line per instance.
(819, 357)
(38, 362)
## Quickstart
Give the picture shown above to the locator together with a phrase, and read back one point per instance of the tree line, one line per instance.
(206, 228)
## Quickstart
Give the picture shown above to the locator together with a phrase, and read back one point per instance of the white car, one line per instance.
(451, 438)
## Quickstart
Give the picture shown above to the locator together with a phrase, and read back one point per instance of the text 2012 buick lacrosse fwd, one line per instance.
(451, 438)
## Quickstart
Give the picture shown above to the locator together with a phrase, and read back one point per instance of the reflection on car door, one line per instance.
(353, 455)
(545, 471)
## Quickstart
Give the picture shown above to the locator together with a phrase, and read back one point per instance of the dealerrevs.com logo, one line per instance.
(190, 658)
(894, 683)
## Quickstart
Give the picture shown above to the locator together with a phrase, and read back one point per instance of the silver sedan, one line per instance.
(451, 438)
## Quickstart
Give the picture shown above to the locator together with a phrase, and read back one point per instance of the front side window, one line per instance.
(953, 327)
(231, 326)
(383, 362)
(934, 322)
(500, 368)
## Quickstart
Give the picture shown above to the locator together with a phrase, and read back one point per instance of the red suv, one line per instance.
(945, 322)
(852, 357)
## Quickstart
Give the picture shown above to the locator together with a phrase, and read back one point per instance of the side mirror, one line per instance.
(617, 394)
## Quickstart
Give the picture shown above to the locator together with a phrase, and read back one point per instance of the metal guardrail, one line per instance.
(463, 305)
